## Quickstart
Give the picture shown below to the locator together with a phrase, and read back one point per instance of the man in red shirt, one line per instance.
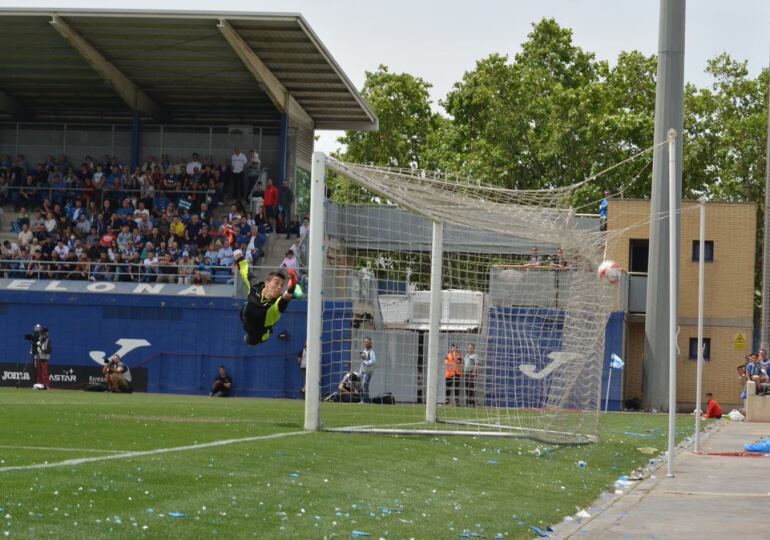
(271, 203)
(713, 410)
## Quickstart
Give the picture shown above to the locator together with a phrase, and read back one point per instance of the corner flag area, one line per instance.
(76, 465)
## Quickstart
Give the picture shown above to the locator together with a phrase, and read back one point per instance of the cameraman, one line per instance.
(117, 376)
(41, 353)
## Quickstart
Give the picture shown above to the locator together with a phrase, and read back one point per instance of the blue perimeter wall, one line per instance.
(190, 337)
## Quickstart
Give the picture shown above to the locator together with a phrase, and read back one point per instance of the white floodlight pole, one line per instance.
(315, 292)
(701, 286)
(673, 306)
(437, 254)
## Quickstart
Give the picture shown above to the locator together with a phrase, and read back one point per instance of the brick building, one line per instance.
(729, 293)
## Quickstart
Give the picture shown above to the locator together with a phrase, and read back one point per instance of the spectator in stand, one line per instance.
(167, 270)
(258, 198)
(305, 227)
(193, 164)
(186, 268)
(102, 271)
(225, 254)
(238, 163)
(289, 261)
(763, 360)
(294, 228)
(151, 266)
(28, 195)
(252, 170)
(285, 200)
(212, 253)
(271, 204)
(755, 372)
(50, 224)
(178, 231)
(25, 235)
(204, 214)
(61, 250)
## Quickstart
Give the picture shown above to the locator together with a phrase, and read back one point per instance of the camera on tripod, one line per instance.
(35, 336)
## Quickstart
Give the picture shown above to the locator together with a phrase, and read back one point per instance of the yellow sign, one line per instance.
(739, 342)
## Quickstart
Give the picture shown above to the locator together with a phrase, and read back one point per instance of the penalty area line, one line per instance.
(157, 451)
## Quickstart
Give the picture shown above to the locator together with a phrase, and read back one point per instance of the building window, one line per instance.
(709, 255)
(694, 348)
(639, 250)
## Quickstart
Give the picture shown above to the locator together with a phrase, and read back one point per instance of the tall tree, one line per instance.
(402, 103)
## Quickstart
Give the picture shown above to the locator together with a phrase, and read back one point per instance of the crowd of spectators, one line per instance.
(756, 369)
(101, 222)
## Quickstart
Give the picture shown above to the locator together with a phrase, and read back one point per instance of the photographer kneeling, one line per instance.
(117, 376)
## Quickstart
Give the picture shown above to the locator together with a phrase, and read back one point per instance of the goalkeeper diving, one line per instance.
(267, 300)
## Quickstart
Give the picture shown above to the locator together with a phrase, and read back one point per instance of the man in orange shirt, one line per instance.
(713, 410)
(271, 203)
(453, 373)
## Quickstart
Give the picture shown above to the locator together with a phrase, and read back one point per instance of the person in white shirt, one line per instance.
(289, 261)
(25, 235)
(61, 250)
(470, 375)
(368, 363)
(304, 228)
(50, 223)
(237, 163)
(193, 164)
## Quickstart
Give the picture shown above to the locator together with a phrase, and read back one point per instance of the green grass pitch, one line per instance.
(317, 485)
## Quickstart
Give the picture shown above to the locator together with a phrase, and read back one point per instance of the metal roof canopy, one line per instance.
(172, 67)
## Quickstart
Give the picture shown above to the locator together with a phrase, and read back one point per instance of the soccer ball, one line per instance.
(610, 271)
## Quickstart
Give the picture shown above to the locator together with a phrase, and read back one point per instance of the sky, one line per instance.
(441, 40)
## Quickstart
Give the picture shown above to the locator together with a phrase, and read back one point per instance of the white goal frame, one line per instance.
(316, 262)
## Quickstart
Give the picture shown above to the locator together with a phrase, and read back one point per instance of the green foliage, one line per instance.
(554, 115)
(402, 104)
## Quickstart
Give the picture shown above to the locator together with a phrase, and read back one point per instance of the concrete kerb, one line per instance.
(608, 499)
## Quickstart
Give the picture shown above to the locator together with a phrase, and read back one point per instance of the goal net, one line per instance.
(449, 306)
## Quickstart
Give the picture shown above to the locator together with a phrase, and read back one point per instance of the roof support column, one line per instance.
(275, 90)
(123, 86)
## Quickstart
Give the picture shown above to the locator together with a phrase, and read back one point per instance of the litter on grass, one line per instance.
(176, 515)
(541, 533)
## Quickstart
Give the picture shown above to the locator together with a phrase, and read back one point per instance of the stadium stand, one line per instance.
(98, 221)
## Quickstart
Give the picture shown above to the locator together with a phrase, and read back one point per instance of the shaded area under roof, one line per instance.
(178, 68)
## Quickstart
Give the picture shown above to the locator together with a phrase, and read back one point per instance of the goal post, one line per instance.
(437, 305)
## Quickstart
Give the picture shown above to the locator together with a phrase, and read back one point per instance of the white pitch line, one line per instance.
(129, 455)
(59, 449)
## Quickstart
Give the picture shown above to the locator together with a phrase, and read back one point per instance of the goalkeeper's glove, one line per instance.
(298, 294)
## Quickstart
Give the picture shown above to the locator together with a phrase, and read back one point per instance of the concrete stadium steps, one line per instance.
(276, 249)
